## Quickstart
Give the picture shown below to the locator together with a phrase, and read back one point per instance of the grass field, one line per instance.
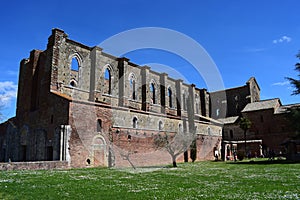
(201, 180)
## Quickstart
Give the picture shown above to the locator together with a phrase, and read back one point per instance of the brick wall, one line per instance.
(45, 165)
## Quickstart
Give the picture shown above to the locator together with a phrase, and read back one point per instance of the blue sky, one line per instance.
(244, 38)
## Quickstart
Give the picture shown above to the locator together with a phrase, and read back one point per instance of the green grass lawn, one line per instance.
(201, 180)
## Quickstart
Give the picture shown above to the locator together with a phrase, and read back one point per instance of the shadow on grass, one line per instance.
(263, 162)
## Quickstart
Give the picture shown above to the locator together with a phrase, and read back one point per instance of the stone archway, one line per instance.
(99, 155)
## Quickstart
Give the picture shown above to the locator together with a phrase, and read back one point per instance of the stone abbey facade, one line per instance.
(81, 105)
(270, 126)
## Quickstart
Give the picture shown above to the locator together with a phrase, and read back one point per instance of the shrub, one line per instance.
(240, 155)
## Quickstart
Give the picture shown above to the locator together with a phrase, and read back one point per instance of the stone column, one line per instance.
(179, 96)
(205, 102)
(191, 99)
(163, 91)
(145, 88)
(54, 42)
(96, 51)
(122, 65)
(65, 133)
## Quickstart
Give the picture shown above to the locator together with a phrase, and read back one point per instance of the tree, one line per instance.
(245, 124)
(193, 150)
(175, 144)
(295, 82)
(293, 113)
(125, 148)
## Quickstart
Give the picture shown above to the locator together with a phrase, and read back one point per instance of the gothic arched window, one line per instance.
(134, 122)
(160, 125)
(170, 97)
(74, 75)
(107, 81)
(132, 85)
(152, 93)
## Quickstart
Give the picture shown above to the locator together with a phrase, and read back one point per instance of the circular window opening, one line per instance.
(73, 83)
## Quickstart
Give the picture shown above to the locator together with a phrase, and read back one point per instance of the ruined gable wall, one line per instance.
(58, 101)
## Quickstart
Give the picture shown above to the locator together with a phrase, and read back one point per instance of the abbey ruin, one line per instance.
(107, 111)
(78, 115)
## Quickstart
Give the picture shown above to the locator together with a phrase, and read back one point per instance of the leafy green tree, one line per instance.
(193, 150)
(296, 82)
(293, 113)
(245, 124)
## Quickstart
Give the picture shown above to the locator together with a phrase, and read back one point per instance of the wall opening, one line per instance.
(107, 81)
(170, 97)
(134, 122)
(132, 87)
(88, 161)
(160, 125)
(99, 125)
(184, 101)
(73, 83)
(180, 128)
(74, 64)
(152, 93)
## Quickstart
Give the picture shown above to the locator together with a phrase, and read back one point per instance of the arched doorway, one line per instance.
(99, 157)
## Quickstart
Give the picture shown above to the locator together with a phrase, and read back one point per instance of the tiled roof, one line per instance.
(262, 105)
(283, 109)
(228, 120)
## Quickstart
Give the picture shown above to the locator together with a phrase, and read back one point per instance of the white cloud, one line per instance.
(281, 83)
(8, 91)
(255, 50)
(282, 39)
(12, 73)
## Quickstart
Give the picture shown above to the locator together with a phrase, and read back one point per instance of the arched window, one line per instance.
(134, 122)
(160, 125)
(237, 97)
(208, 131)
(152, 93)
(132, 85)
(129, 137)
(197, 100)
(107, 81)
(217, 112)
(132, 88)
(99, 125)
(180, 128)
(74, 72)
(74, 64)
(73, 83)
(184, 103)
(170, 97)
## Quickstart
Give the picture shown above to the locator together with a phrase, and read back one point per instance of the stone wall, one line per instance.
(272, 128)
(117, 125)
(44, 165)
(70, 114)
(231, 102)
